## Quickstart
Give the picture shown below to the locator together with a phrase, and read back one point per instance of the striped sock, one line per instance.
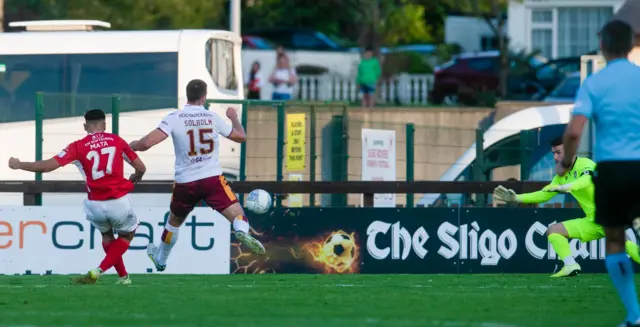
(167, 240)
(241, 224)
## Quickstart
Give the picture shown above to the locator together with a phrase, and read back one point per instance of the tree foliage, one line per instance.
(396, 21)
(404, 24)
(125, 14)
(363, 22)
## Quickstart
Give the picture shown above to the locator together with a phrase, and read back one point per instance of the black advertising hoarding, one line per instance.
(416, 240)
(306, 240)
(404, 241)
(514, 241)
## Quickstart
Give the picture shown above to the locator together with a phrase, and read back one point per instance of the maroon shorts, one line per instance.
(214, 191)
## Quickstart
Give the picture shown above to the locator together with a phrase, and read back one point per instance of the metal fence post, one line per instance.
(478, 167)
(243, 147)
(115, 114)
(39, 128)
(280, 148)
(524, 155)
(339, 157)
(410, 131)
(345, 146)
(312, 152)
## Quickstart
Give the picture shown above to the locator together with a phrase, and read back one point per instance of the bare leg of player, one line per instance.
(160, 254)
(240, 223)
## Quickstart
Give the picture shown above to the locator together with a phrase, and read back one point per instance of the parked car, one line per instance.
(297, 38)
(565, 91)
(256, 42)
(423, 49)
(462, 79)
(550, 74)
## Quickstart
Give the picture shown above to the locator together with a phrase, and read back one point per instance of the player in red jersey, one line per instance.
(100, 157)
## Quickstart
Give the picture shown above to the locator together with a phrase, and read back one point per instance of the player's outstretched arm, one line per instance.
(508, 195)
(157, 135)
(154, 137)
(541, 196)
(133, 160)
(42, 166)
(237, 133)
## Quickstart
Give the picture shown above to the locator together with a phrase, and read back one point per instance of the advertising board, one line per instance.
(414, 240)
(59, 240)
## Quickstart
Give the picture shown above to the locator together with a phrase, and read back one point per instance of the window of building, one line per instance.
(566, 31)
(73, 83)
(542, 31)
(542, 41)
(489, 43)
(542, 16)
(578, 29)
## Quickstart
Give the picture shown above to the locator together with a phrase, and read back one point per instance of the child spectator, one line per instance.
(368, 75)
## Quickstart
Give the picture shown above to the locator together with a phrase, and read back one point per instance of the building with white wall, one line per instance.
(471, 33)
(559, 28)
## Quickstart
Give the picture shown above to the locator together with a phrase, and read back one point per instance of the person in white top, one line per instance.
(198, 175)
(283, 79)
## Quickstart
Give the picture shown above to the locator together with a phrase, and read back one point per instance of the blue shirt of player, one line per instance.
(611, 98)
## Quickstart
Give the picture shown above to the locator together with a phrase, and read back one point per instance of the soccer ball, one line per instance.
(339, 250)
(259, 201)
(340, 244)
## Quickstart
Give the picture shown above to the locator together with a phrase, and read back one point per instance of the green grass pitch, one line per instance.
(312, 301)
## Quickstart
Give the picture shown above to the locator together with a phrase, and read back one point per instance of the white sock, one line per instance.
(569, 260)
(240, 224)
(168, 239)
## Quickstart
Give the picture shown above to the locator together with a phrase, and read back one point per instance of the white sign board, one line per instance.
(379, 161)
(59, 239)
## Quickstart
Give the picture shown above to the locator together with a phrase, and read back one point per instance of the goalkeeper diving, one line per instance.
(578, 183)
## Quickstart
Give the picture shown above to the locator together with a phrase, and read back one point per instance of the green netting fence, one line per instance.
(286, 140)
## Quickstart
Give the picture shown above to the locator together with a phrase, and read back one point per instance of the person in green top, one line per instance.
(578, 183)
(368, 75)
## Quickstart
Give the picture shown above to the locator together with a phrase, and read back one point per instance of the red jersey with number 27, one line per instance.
(101, 156)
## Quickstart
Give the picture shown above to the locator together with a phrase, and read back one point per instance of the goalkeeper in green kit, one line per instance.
(578, 183)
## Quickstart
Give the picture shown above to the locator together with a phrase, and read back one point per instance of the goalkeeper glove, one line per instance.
(505, 194)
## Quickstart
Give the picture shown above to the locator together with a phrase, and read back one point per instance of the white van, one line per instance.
(545, 123)
(79, 67)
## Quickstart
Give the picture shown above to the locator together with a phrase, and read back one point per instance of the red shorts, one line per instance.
(215, 191)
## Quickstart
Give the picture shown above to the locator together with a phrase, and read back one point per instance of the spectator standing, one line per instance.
(255, 81)
(283, 79)
(368, 75)
(280, 51)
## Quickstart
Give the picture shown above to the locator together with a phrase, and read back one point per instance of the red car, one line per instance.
(467, 75)
(256, 42)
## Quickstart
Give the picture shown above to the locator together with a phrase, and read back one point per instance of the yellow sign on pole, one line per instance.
(295, 142)
(295, 200)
